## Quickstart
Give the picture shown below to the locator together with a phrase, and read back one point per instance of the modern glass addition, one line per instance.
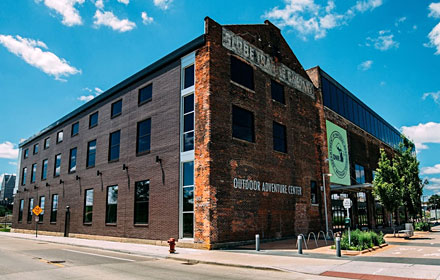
(112, 205)
(31, 206)
(57, 166)
(143, 138)
(60, 136)
(113, 152)
(141, 202)
(360, 174)
(242, 124)
(26, 153)
(72, 160)
(20, 210)
(242, 73)
(88, 206)
(116, 108)
(188, 199)
(91, 153)
(46, 143)
(277, 91)
(54, 209)
(44, 170)
(23, 176)
(42, 205)
(93, 120)
(33, 172)
(345, 104)
(36, 149)
(188, 123)
(75, 129)
(145, 94)
(279, 137)
(188, 80)
(313, 192)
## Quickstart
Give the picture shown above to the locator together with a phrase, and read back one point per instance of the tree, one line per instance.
(434, 201)
(386, 185)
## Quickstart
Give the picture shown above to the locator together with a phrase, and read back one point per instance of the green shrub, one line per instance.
(422, 226)
(361, 240)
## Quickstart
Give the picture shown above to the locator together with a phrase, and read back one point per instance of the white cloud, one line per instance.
(86, 98)
(99, 4)
(430, 170)
(146, 19)
(434, 184)
(7, 150)
(110, 20)
(31, 52)
(434, 95)
(399, 21)
(13, 163)
(163, 4)
(66, 8)
(95, 92)
(422, 134)
(384, 41)
(434, 38)
(1, 178)
(309, 18)
(364, 66)
(434, 9)
(126, 2)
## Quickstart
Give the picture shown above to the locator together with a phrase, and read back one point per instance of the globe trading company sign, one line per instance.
(338, 154)
(257, 57)
(252, 185)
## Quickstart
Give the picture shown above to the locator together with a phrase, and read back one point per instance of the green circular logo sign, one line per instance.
(338, 155)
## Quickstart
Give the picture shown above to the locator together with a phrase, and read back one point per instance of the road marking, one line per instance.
(49, 262)
(98, 255)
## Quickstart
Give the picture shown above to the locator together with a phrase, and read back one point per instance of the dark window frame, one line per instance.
(41, 216)
(54, 211)
(46, 144)
(58, 136)
(184, 85)
(33, 173)
(136, 202)
(35, 149)
(142, 102)
(71, 161)
(138, 153)
(238, 74)
(283, 138)
(237, 126)
(23, 176)
(30, 213)
(85, 206)
(89, 153)
(314, 190)
(110, 146)
(112, 113)
(72, 133)
(107, 222)
(55, 166)
(26, 153)
(20, 211)
(276, 96)
(44, 169)
(91, 116)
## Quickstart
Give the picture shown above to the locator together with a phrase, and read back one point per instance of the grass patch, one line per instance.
(361, 240)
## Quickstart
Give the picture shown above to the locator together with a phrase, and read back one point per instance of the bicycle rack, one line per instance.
(323, 235)
(333, 234)
(304, 239)
(314, 236)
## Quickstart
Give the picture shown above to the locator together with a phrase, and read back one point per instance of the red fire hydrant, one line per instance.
(172, 243)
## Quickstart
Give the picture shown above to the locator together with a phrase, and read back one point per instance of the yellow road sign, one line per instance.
(37, 210)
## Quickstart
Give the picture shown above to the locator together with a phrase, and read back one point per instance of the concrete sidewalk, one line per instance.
(347, 267)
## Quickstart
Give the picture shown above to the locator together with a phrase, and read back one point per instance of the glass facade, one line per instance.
(346, 105)
(31, 206)
(72, 160)
(143, 139)
(112, 205)
(42, 206)
(88, 206)
(91, 153)
(54, 209)
(57, 168)
(113, 152)
(141, 202)
(188, 199)
(188, 123)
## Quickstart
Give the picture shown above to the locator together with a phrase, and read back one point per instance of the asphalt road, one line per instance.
(33, 260)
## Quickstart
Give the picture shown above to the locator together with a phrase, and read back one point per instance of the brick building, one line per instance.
(219, 140)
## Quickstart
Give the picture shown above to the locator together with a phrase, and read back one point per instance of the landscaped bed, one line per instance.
(361, 240)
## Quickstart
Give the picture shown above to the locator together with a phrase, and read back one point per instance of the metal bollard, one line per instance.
(257, 242)
(338, 246)
(300, 245)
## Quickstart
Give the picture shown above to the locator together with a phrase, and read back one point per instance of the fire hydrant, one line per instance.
(172, 243)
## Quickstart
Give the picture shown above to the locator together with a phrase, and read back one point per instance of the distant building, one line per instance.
(7, 188)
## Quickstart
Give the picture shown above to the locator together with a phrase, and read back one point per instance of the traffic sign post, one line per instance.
(37, 211)
(347, 205)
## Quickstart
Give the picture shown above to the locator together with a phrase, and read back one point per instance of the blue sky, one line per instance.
(56, 54)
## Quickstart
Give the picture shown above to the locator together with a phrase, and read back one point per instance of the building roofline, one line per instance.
(185, 49)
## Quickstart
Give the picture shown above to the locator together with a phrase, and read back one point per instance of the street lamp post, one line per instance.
(325, 201)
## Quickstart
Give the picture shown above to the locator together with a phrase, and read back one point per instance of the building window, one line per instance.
(60, 136)
(42, 205)
(23, 176)
(188, 123)
(88, 206)
(20, 211)
(116, 108)
(360, 174)
(26, 153)
(112, 205)
(54, 209)
(93, 120)
(279, 137)
(46, 143)
(145, 94)
(313, 192)
(57, 166)
(33, 172)
(277, 91)
(141, 202)
(188, 199)
(113, 149)
(36, 149)
(242, 73)
(31, 206)
(91, 153)
(44, 170)
(75, 129)
(188, 80)
(143, 139)
(242, 124)
(72, 160)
